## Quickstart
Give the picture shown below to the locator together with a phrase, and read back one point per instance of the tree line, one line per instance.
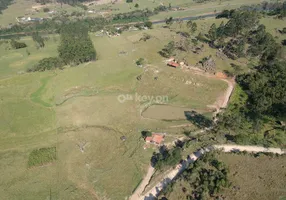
(94, 23)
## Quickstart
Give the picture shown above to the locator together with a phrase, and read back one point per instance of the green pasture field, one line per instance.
(77, 111)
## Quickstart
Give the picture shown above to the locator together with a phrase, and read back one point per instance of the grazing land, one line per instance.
(66, 134)
(77, 111)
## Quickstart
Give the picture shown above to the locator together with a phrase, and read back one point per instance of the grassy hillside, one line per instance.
(76, 112)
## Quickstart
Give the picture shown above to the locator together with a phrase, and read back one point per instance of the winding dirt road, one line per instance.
(151, 194)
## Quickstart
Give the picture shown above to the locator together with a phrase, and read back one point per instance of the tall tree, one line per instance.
(213, 33)
(169, 21)
(38, 39)
(194, 27)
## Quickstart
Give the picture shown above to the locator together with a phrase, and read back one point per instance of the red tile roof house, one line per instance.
(173, 64)
(156, 138)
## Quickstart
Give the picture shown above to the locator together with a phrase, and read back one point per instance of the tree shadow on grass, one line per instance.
(198, 119)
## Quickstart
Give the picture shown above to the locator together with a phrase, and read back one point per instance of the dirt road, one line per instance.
(254, 149)
(151, 194)
(137, 193)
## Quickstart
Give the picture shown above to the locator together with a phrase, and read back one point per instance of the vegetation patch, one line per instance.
(201, 180)
(42, 156)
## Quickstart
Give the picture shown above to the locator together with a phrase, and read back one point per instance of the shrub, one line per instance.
(17, 45)
(46, 9)
(140, 61)
(145, 37)
(148, 24)
(146, 134)
(168, 50)
(42, 156)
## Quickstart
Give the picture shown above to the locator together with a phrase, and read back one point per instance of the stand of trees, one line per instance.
(168, 50)
(253, 117)
(50, 63)
(266, 89)
(94, 24)
(76, 46)
(205, 179)
(166, 157)
(38, 39)
(17, 45)
(243, 28)
(269, 8)
(134, 16)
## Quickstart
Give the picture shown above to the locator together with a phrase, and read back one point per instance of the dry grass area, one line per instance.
(260, 178)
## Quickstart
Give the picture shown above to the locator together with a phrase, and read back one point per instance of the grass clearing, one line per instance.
(42, 156)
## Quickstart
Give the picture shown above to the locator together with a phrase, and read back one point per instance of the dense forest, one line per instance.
(258, 114)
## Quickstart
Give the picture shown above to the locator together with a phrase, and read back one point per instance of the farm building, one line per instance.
(156, 138)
